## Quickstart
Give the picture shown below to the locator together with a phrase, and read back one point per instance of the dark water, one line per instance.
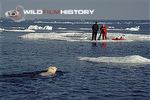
(22, 60)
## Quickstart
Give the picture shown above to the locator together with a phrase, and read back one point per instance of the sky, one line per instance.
(104, 9)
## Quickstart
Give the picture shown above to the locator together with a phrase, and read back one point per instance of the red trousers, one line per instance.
(104, 36)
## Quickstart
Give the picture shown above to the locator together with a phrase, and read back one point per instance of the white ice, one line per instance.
(137, 28)
(36, 27)
(133, 59)
(16, 30)
(62, 28)
(86, 37)
(2, 29)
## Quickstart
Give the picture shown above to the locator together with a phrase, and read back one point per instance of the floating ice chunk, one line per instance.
(61, 28)
(16, 30)
(36, 27)
(47, 27)
(26, 30)
(85, 37)
(133, 59)
(2, 29)
(137, 28)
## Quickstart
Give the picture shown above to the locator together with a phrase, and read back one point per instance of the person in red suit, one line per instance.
(103, 30)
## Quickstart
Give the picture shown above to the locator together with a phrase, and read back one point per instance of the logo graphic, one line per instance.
(17, 15)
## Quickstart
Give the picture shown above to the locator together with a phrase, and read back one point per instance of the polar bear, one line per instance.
(50, 72)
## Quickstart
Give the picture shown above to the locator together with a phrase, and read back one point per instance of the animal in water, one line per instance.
(50, 71)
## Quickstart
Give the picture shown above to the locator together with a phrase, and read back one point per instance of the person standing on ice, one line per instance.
(103, 32)
(95, 28)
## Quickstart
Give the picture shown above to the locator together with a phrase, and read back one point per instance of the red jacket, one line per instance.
(105, 29)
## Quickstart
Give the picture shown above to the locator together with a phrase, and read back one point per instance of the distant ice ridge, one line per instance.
(137, 28)
(85, 29)
(65, 22)
(16, 30)
(81, 22)
(108, 28)
(2, 29)
(31, 28)
(85, 37)
(26, 30)
(133, 59)
(62, 28)
(36, 27)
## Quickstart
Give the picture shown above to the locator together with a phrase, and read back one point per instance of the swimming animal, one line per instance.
(50, 71)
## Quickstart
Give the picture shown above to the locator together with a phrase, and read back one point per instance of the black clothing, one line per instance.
(95, 28)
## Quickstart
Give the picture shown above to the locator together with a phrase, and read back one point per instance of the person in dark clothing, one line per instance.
(95, 28)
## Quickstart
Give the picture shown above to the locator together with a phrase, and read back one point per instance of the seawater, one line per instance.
(21, 61)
